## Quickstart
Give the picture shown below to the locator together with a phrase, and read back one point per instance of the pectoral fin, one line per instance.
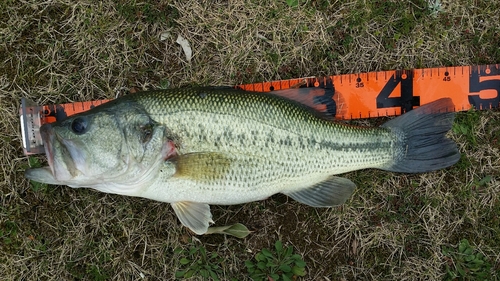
(330, 192)
(204, 166)
(195, 216)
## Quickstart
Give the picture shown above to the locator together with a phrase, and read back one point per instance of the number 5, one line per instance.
(476, 86)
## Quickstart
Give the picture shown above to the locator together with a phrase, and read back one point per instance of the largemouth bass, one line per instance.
(196, 147)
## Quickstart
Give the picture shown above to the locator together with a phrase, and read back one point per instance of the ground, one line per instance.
(394, 227)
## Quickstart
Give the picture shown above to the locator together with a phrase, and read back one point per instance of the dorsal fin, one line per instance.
(320, 100)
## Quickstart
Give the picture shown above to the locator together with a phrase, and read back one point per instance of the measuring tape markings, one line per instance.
(362, 95)
(387, 93)
(486, 81)
(55, 112)
(373, 94)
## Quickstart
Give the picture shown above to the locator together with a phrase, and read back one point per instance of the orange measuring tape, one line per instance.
(361, 95)
(389, 93)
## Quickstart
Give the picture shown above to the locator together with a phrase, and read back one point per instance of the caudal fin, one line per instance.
(422, 142)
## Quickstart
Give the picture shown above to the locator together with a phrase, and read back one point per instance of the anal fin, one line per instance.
(330, 192)
(195, 216)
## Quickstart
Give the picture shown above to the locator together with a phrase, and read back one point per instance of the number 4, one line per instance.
(406, 100)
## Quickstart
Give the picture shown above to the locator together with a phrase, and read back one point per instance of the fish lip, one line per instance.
(47, 134)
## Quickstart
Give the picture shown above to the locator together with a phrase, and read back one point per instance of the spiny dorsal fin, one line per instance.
(319, 100)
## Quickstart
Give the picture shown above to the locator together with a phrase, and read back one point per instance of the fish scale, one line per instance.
(301, 146)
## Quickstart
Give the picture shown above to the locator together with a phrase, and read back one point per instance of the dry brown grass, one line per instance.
(393, 228)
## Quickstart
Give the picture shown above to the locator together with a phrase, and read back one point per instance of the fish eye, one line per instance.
(79, 125)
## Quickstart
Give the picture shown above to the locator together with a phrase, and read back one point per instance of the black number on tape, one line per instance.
(406, 100)
(476, 86)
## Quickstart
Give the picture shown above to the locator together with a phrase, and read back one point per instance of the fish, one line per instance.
(196, 147)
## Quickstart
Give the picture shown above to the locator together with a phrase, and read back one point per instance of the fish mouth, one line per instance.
(47, 134)
(59, 156)
(45, 174)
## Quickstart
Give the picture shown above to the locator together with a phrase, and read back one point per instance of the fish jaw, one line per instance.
(61, 155)
(47, 134)
(42, 175)
(75, 161)
(66, 160)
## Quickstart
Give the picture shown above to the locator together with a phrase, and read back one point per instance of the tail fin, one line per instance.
(422, 144)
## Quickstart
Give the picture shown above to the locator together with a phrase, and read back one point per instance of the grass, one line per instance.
(394, 227)
(466, 263)
(197, 262)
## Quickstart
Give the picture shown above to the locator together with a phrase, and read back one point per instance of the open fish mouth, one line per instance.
(61, 162)
(47, 134)
(45, 174)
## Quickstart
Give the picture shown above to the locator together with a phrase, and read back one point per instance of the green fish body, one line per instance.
(202, 146)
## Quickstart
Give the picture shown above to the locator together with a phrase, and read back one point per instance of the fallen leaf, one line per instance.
(185, 47)
(165, 35)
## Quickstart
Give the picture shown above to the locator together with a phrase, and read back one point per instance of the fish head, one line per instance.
(115, 149)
